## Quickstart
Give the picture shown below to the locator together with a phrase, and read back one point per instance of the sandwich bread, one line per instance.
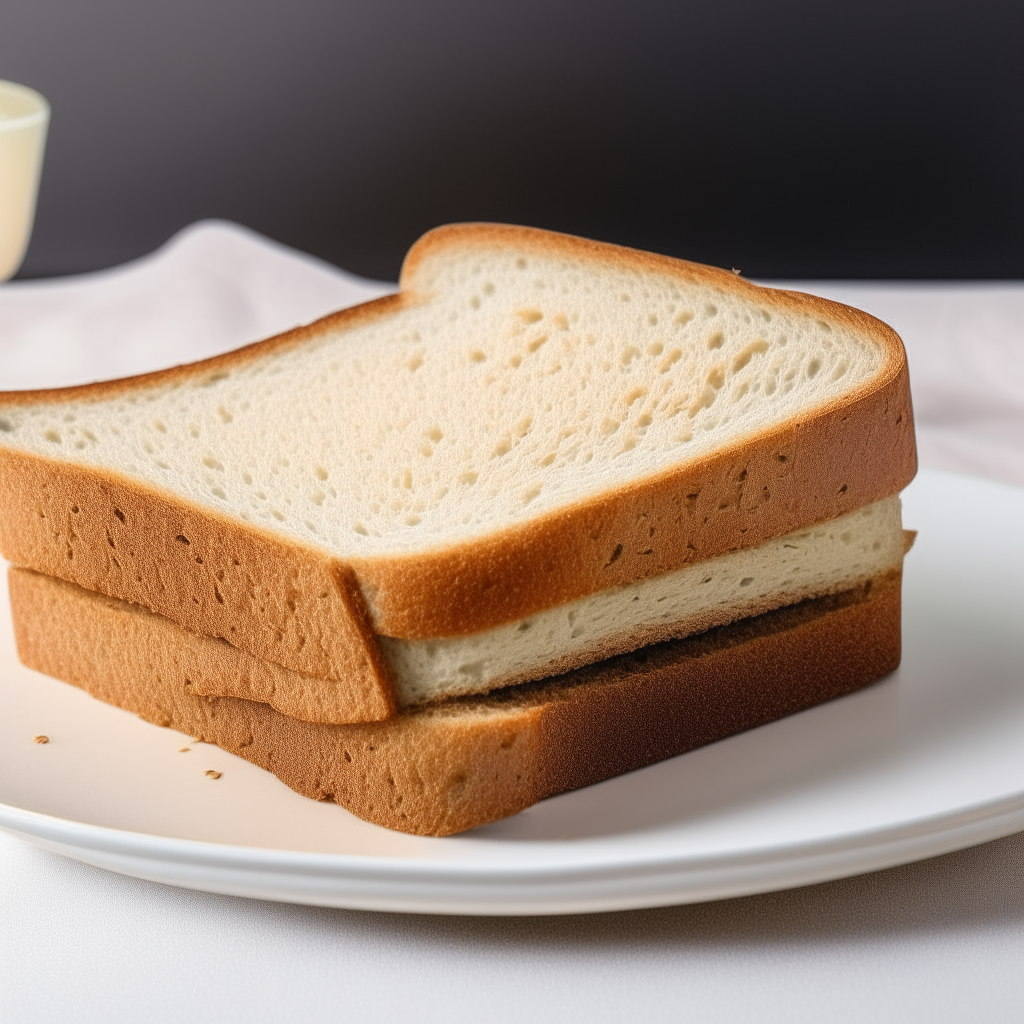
(449, 766)
(428, 495)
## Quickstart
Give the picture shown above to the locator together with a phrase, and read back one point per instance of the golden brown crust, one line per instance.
(280, 602)
(454, 766)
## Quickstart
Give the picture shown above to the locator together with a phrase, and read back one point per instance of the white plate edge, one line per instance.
(395, 885)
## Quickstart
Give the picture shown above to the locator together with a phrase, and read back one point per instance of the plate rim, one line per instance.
(398, 884)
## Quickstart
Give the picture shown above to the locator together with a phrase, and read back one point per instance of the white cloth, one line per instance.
(210, 289)
(937, 941)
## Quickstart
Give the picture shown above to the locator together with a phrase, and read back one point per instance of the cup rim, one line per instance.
(38, 116)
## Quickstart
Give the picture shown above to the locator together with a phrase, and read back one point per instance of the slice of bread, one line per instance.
(452, 766)
(533, 419)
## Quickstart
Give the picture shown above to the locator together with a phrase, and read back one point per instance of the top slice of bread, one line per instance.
(532, 418)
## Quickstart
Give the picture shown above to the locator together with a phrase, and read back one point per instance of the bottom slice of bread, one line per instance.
(448, 767)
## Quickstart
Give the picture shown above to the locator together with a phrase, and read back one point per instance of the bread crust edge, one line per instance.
(445, 769)
(279, 602)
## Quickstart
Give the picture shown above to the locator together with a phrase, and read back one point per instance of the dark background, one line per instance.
(803, 138)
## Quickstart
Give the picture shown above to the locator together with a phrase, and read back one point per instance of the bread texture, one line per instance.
(827, 558)
(533, 419)
(448, 767)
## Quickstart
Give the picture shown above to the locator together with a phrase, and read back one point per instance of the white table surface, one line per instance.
(937, 941)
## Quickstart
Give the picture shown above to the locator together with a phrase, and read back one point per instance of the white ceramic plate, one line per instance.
(927, 761)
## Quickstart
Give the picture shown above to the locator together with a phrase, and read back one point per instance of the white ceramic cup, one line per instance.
(24, 116)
